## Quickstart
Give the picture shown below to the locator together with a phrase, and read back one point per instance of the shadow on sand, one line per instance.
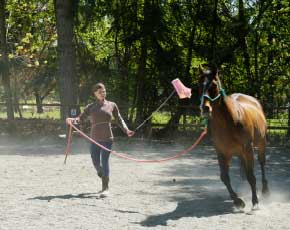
(199, 207)
(212, 202)
(67, 196)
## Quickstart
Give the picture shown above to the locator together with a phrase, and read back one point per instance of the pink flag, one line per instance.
(181, 90)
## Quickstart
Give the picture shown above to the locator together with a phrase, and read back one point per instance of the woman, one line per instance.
(101, 113)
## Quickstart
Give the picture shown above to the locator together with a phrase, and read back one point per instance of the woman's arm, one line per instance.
(120, 121)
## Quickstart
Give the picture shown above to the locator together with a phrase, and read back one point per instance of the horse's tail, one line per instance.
(260, 140)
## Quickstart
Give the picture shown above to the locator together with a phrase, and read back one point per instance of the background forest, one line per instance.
(54, 51)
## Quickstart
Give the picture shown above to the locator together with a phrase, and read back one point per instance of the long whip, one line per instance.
(162, 104)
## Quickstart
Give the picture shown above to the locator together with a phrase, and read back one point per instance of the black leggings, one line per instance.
(100, 157)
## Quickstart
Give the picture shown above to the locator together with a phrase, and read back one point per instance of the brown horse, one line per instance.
(237, 124)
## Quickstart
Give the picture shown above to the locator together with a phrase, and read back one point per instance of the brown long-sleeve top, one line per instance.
(101, 114)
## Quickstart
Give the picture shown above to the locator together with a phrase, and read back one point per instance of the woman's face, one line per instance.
(100, 94)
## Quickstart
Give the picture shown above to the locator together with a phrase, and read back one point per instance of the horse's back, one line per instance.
(247, 100)
(247, 112)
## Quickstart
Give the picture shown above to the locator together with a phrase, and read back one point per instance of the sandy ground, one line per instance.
(37, 191)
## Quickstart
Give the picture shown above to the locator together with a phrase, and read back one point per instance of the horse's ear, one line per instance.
(216, 78)
(215, 73)
(200, 69)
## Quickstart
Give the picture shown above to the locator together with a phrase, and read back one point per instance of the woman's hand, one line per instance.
(130, 133)
(68, 120)
(74, 121)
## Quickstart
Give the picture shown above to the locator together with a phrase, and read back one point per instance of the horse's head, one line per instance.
(209, 89)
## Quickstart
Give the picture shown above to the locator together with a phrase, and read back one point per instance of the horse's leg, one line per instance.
(262, 160)
(248, 157)
(224, 174)
(242, 170)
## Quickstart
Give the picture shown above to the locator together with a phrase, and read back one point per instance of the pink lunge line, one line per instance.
(122, 155)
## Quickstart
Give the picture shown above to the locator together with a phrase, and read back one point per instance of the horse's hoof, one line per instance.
(239, 203)
(255, 207)
(265, 192)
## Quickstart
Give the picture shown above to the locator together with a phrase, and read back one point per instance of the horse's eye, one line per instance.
(214, 85)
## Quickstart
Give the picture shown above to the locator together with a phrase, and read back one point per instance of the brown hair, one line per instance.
(98, 86)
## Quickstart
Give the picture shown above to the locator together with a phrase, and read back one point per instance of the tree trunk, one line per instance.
(38, 101)
(141, 83)
(4, 62)
(16, 105)
(181, 109)
(271, 78)
(66, 54)
(213, 60)
(242, 34)
(256, 44)
(191, 44)
(288, 131)
(142, 71)
(124, 83)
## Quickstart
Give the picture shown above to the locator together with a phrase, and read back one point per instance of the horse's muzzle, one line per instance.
(206, 108)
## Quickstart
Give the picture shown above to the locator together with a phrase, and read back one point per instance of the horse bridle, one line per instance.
(206, 86)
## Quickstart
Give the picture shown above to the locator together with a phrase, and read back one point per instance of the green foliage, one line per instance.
(249, 44)
(31, 42)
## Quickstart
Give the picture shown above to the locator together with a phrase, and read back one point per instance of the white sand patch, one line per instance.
(38, 192)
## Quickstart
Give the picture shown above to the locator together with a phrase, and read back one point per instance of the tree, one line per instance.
(64, 11)
(4, 63)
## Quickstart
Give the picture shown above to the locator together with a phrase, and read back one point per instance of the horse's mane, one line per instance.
(234, 109)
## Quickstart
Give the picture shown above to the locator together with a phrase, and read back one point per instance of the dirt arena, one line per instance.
(37, 191)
